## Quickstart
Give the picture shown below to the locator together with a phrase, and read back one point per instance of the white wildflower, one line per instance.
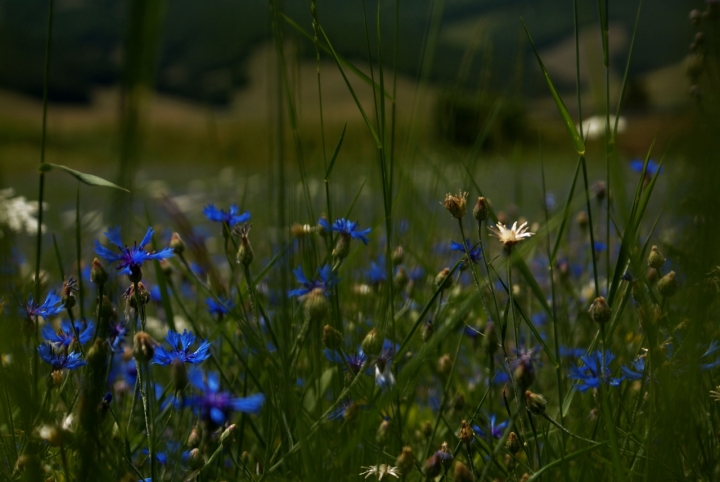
(510, 237)
(380, 471)
(17, 213)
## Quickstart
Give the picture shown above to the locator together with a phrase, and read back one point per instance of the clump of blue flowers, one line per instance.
(130, 259)
(66, 335)
(324, 281)
(180, 349)
(60, 359)
(231, 217)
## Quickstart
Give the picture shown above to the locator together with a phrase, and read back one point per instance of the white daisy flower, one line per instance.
(510, 237)
(380, 471)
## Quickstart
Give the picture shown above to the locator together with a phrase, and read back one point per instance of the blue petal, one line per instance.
(251, 404)
(113, 235)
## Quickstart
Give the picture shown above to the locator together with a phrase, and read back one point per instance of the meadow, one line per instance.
(363, 290)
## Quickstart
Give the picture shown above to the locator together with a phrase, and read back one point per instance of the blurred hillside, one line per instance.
(206, 45)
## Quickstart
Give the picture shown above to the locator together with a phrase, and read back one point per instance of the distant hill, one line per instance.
(206, 43)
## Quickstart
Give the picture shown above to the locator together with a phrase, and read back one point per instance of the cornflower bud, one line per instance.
(401, 279)
(316, 305)
(372, 343)
(56, 378)
(535, 402)
(228, 436)
(651, 275)
(107, 310)
(443, 279)
(513, 443)
(458, 402)
(655, 258)
(667, 285)
(143, 347)
(582, 220)
(195, 459)
(456, 205)
(427, 429)
(397, 256)
(143, 295)
(432, 466)
(177, 244)
(427, 330)
(600, 311)
(98, 275)
(600, 191)
(480, 211)
(332, 338)
(462, 473)
(381, 436)
(68, 295)
(245, 254)
(195, 437)
(466, 432)
(405, 461)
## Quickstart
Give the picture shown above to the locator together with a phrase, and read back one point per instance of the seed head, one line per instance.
(536, 403)
(456, 205)
(480, 211)
(600, 311)
(177, 244)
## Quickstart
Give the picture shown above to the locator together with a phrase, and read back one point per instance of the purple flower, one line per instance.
(50, 307)
(590, 375)
(325, 280)
(346, 228)
(216, 406)
(354, 362)
(230, 217)
(66, 335)
(180, 349)
(60, 360)
(130, 259)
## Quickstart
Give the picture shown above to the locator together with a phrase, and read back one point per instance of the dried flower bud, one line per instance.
(398, 256)
(462, 473)
(443, 279)
(513, 443)
(98, 275)
(245, 254)
(177, 244)
(582, 220)
(405, 461)
(143, 347)
(143, 295)
(427, 330)
(332, 338)
(535, 402)
(456, 205)
(56, 378)
(466, 432)
(444, 365)
(656, 258)
(667, 285)
(600, 311)
(381, 436)
(372, 343)
(480, 211)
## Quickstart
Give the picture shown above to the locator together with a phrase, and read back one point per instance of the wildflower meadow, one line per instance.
(369, 307)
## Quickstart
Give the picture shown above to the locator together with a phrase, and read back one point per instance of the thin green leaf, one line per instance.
(335, 153)
(89, 179)
(567, 458)
(569, 124)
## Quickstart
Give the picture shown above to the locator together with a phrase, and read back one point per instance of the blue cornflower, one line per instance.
(220, 307)
(652, 167)
(50, 307)
(230, 217)
(354, 362)
(635, 370)
(590, 374)
(376, 273)
(346, 229)
(383, 366)
(475, 253)
(60, 361)
(172, 448)
(527, 358)
(496, 430)
(116, 336)
(130, 259)
(325, 281)
(570, 352)
(711, 350)
(180, 349)
(66, 335)
(341, 409)
(216, 406)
